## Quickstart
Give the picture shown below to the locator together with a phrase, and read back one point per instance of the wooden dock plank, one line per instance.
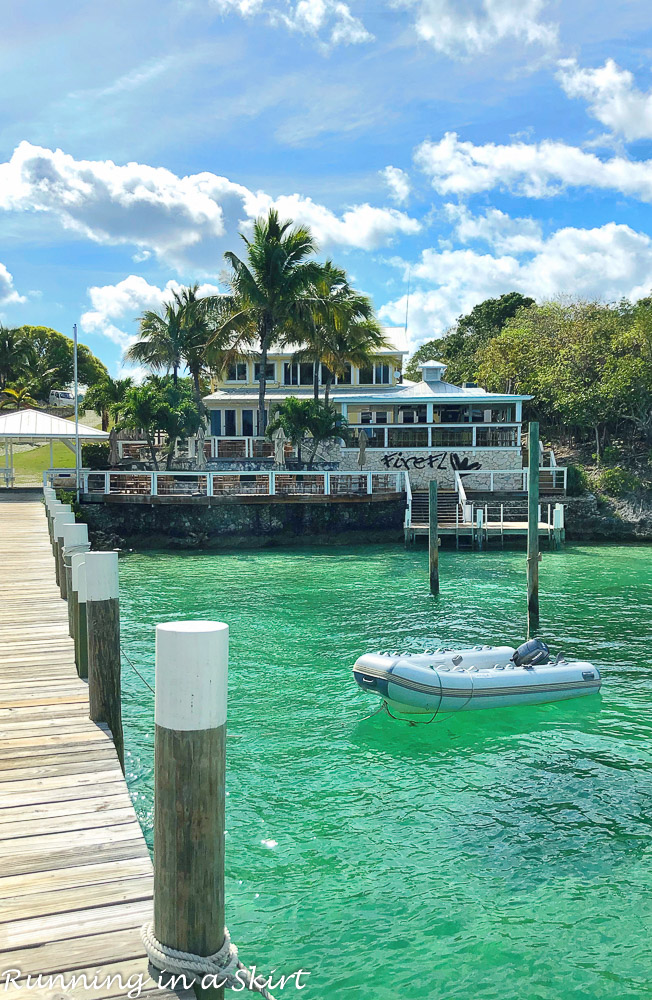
(75, 872)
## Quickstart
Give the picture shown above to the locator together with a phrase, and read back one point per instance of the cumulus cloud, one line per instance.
(330, 21)
(605, 263)
(612, 95)
(115, 308)
(469, 27)
(180, 219)
(8, 293)
(535, 170)
(502, 232)
(398, 183)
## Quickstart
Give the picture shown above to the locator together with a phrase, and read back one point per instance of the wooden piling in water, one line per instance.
(75, 539)
(433, 538)
(80, 631)
(533, 528)
(103, 625)
(189, 783)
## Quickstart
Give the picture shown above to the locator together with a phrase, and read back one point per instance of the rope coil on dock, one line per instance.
(224, 964)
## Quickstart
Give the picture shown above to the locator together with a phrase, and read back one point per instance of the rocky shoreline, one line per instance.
(598, 518)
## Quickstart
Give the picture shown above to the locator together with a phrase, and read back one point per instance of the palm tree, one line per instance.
(15, 355)
(271, 290)
(19, 398)
(341, 329)
(355, 343)
(142, 410)
(106, 398)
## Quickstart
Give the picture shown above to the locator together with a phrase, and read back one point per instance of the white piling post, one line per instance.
(103, 626)
(80, 632)
(75, 539)
(189, 797)
(60, 521)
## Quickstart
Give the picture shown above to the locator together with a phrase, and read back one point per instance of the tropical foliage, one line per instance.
(106, 398)
(307, 422)
(17, 399)
(161, 405)
(44, 357)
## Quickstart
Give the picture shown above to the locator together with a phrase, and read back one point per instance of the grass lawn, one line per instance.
(30, 465)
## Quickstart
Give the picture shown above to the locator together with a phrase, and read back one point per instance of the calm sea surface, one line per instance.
(487, 856)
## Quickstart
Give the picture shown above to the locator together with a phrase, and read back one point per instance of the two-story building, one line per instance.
(430, 428)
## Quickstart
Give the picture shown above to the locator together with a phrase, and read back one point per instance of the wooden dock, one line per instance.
(75, 872)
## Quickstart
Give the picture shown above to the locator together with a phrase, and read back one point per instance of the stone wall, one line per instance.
(242, 524)
(441, 465)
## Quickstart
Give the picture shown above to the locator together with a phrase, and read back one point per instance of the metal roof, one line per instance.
(33, 424)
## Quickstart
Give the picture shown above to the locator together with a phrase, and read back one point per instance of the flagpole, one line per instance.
(76, 380)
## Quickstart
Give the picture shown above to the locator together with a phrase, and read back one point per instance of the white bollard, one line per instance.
(59, 523)
(189, 797)
(80, 633)
(75, 539)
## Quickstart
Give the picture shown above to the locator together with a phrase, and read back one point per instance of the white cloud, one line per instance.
(604, 263)
(613, 97)
(330, 21)
(469, 27)
(398, 183)
(123, 302)
(182, 220)
(536, 170)
(8, 294)
(499, 230)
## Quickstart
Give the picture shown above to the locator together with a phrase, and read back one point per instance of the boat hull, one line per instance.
(469, 680)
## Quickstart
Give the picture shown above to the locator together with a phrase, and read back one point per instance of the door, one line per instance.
(229, 423)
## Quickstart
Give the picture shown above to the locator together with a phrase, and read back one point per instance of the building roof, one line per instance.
(34, 424)
(428, 392)
(243, 394)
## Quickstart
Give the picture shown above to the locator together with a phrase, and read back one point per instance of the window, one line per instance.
(496, 437)
(229, 423)
(306, 373)
(365, 417)
(381, 416)
(407, 438)
(216, 422)
(248, 423)
(237, 372)
(382, 373)
(446, 437)
(270, 373)
(413, 414)
(326, 375)
(345, 378)
(375, 437)
(366, 376)
(290, 374)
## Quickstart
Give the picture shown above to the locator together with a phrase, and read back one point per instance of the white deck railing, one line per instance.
(222, 484)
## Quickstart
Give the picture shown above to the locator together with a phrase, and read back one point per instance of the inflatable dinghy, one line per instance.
(456, 680)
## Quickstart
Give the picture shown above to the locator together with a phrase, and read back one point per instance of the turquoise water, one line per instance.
(487, 856)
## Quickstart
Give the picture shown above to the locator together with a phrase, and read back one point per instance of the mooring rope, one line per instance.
(137, 672)
(224, 965)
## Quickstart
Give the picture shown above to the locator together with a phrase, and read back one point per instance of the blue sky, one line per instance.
(481, 145)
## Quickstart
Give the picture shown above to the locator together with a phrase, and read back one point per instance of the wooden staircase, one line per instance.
(447, 505)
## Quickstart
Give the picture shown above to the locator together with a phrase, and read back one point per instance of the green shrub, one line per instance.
(617, 482)
(95, 456)
(578, 482)
(610, 455)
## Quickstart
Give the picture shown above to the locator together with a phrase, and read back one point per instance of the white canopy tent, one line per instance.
(33, 426)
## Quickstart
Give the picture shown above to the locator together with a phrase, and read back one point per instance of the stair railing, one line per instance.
(408, 509)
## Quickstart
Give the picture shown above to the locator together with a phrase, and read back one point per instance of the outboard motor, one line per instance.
(532, 653)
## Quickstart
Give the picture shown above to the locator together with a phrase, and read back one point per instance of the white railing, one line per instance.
(408, 506)
(556, 477)
(222, 484)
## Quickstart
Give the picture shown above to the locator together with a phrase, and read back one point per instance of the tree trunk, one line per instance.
(175, 375)
(152, 449)
(262, 385)
(170, 455)
(299, 461)
(105, 420)
(327, 390)
(315, 380)
(597, 443)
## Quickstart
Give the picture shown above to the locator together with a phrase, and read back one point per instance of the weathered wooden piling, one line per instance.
(533, 528)
(433, 538)
(80, 631)
(103, 626)
(60, 521)
(75, 539)
(189, 797)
